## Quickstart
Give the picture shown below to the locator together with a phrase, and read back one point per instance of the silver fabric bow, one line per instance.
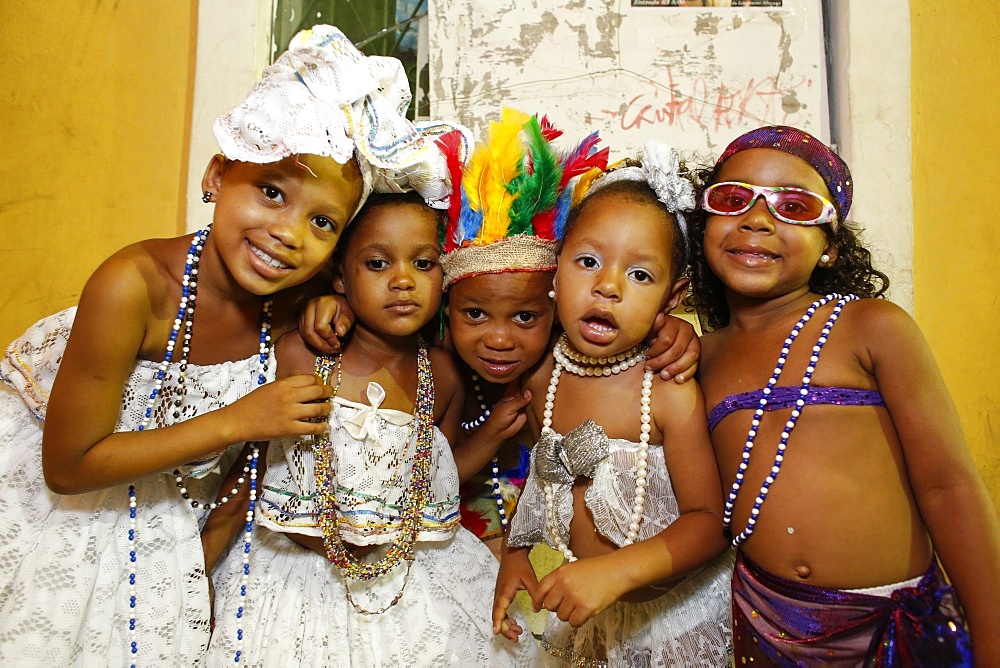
(561, 459)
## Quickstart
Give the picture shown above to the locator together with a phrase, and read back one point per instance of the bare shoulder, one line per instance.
(293, 355)
(448, 390)
(878, 323)
(677, 403)
(876, 312)
(673, 396)
(141, 271)
(446, 374)
(443, 363)
(712, 342)
(712, 365)
(537, 378)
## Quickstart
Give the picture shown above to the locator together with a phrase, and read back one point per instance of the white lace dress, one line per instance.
(688, 626)
(64, 559)
(297, 610)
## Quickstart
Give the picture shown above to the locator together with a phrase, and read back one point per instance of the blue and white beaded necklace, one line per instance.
(185, 319)
(495, 462)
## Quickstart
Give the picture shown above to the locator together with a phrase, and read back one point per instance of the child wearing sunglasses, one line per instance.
(846, 471)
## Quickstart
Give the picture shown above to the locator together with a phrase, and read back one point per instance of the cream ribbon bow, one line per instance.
(364, 425)
(561, 459)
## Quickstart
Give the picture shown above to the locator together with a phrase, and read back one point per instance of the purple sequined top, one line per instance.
(785, 396)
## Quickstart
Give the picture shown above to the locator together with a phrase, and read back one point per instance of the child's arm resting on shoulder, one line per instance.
(674, 348)
(324, 321)
(579, 590)
(81, 451)
(951, 496)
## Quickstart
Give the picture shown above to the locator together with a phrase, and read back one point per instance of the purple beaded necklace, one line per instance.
(793, 418)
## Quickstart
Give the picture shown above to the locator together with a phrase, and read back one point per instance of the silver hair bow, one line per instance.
(661, 170)
(561, 459)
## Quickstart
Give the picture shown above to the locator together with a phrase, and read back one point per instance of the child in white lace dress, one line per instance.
(358, 558)
(623, 480)
(108, 446)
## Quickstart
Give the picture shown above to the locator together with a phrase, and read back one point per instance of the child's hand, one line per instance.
(507, 417)
(674, 349)
(292, 406)
(578, 590)
(324, 321)
(516, 573)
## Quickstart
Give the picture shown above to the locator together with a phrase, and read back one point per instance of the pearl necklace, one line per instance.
(792, 420)
(185, 319)
(584, 365)
(495, 462)
(631, 357)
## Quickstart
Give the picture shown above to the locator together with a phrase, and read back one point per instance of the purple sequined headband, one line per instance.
(802, 145)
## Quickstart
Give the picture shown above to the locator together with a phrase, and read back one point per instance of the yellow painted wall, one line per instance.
(94, 107)
(955, 99)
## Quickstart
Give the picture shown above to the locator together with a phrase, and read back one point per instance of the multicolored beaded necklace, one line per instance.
(185, 319)
(415, 499)
(603, 366)
(727, 516)
(495, 462)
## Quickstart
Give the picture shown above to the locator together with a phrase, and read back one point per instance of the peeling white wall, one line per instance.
(871, 121)
(697, 78)
(693, 77)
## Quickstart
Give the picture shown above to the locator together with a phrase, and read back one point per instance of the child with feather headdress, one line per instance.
(504, 223)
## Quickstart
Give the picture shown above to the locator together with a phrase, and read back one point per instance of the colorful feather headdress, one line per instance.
(509, 211)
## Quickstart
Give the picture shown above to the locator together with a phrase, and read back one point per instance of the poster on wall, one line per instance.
(707, 3)
(695, 78)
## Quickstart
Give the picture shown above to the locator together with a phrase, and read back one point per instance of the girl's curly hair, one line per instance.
(851, 273)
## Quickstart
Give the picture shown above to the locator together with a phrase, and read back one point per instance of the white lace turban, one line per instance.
(324, 97)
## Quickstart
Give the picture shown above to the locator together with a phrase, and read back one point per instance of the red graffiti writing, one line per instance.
(705, 104)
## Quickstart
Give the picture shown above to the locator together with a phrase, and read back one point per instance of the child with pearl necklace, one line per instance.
(849, 480)
(129, 410)
(623, 481)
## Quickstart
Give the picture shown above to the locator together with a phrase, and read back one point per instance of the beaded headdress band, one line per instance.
(803, 145)
(510, 206)
(661, 169)
(324, 97)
